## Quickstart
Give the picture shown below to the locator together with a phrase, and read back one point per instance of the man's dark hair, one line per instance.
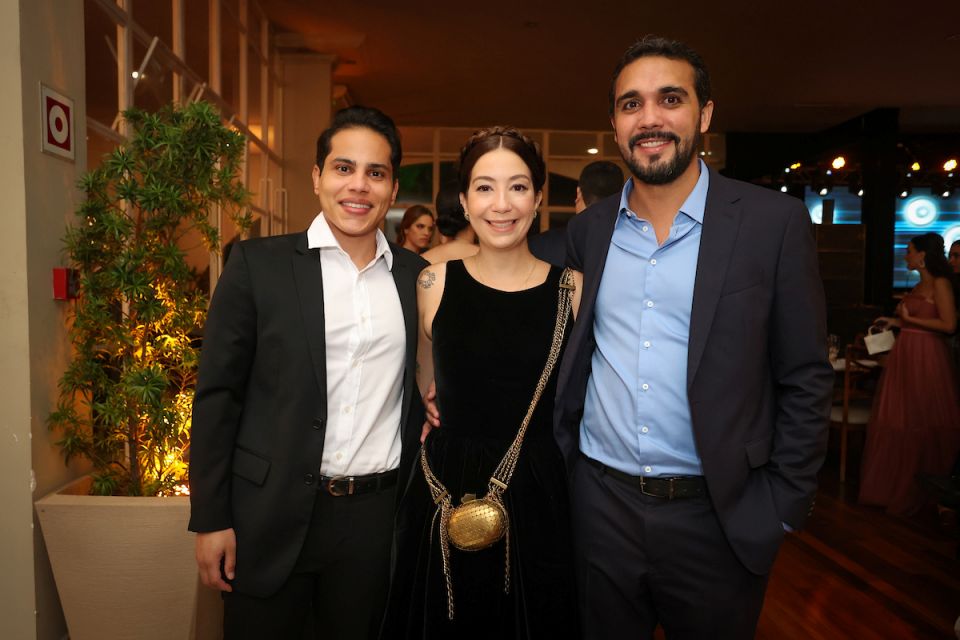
(598, 180)
(665, 48)
(450, 220)
(367, 118)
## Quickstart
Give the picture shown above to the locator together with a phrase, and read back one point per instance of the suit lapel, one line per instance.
(309, 283)
(595, 261)
(405, 284)
(721, 223)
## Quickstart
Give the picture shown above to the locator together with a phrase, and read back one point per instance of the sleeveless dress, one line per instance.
(489, 350)
(915, 423)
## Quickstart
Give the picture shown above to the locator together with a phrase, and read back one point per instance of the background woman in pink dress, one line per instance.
(915, 424)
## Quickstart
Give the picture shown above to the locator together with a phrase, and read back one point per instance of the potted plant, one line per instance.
(126, 397)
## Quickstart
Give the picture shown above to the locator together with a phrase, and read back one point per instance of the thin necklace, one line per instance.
(485, 281)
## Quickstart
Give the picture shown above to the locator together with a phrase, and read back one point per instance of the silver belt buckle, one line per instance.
(331, 486)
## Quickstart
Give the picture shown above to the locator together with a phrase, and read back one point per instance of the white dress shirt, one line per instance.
(366, 344)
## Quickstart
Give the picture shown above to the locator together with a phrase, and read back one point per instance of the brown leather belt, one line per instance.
(671, 488)
(354, 485)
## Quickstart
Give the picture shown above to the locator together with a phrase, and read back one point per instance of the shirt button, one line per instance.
(644, 228)
(644, 429)
(339, 456)
(318, 424)
(645, 386)
(653, 261)
(649, 304)
(346, 410)
(647, 469)
(646, 344)
(308, 479)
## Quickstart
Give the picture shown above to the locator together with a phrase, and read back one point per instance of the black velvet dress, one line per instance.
(490, 348)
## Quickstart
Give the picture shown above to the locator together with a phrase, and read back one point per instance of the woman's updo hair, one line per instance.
(509, 138)
(934, 260)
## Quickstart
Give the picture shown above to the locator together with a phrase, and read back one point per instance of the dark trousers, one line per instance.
(643, 561)
(338, 589)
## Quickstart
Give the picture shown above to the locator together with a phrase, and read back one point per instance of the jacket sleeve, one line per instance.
(229, 345)
(802, 374)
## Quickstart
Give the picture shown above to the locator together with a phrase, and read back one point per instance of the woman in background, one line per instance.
(416, 229)
(487, 325)
(915, 423)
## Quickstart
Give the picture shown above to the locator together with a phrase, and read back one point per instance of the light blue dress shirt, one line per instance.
(637, 415)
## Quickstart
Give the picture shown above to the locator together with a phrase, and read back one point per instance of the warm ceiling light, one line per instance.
(135, 75)
(950, 165)
(795, 166)
(915, 166)
(593, 151)
(839, 162)
(860, 192)
(824, 191)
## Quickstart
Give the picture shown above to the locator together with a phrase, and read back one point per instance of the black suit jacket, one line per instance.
(758, 378)
(550, 246)
(260, 409)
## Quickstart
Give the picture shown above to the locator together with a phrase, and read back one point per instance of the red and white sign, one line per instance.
(57, 123)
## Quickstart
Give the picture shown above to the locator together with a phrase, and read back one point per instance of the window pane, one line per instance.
(154, 87)
(196, 21)
(254, 113)
(563, 190)
(100, 45)
(416, 184)
(156, 18)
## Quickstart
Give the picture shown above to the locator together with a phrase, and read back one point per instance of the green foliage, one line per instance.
(126, 398)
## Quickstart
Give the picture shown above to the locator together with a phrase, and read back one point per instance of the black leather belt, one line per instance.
(353, 485)
(669, 488)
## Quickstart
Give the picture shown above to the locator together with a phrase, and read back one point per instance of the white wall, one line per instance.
(307, 106)
(40, 41)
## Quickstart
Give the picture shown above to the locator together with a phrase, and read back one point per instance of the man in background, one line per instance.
(598, 180)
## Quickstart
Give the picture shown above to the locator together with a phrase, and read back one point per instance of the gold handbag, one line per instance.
(477, 523)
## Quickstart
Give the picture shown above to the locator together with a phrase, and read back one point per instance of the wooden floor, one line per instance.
(855, 572)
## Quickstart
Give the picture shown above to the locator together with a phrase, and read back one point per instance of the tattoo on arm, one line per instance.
(426, 279)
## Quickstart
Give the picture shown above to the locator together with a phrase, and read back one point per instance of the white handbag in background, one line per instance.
(878, 340)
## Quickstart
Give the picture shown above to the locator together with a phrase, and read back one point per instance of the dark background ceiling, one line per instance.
(793, 67)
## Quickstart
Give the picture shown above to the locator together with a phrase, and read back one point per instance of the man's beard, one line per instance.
(661, 173)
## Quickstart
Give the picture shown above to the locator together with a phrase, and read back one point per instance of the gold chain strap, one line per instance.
(504, 472)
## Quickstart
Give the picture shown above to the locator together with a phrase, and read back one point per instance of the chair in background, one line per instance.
(851, 408)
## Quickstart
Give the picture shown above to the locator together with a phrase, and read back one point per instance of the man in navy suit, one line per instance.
(693, 398)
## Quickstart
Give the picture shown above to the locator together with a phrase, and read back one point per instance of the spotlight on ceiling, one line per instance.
(795, 166)
(860, 192)
(839, 163)
(785, 188)
(950, 165)
(905, 192)
(593, 151)
(915, 166)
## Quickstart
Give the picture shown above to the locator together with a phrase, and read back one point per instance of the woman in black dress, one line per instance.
(486, 328)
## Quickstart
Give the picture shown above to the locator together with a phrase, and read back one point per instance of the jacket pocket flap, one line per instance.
(758, 451)
(250, 466)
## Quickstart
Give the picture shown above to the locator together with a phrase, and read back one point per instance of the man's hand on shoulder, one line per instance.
(211, 548)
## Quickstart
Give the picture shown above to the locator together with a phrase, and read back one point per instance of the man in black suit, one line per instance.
(306, 405)
(694, 394)
(597, 181)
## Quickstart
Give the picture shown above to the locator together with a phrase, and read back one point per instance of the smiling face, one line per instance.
(657, 119)
(500, 199)
(356, 185)
(420, 233)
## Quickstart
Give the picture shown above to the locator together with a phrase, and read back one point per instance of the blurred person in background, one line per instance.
(598, 180)
(915, 423)
(416, 229)
(457, 238)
